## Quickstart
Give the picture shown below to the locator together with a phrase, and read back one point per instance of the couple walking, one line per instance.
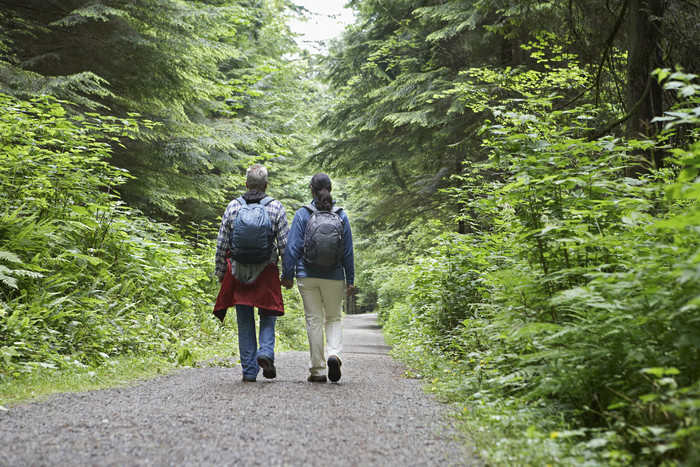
(317, 249)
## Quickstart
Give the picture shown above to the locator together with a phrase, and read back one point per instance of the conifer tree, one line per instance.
(211, 73)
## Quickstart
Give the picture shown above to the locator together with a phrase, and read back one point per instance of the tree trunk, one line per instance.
(643, 91)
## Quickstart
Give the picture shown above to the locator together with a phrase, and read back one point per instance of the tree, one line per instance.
(211, 73)
(645, 54)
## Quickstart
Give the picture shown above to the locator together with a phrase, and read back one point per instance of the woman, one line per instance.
(321, 278)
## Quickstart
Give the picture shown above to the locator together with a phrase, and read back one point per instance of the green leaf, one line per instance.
(660, 371)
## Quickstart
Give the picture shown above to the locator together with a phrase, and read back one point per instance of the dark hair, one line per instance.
(321, 185)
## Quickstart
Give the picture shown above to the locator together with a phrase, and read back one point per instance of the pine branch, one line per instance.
(424, 37)
(399, 179)
(20, 5)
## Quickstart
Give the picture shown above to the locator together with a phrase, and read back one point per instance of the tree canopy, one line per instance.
(214, 75)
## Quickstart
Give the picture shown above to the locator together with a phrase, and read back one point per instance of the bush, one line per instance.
(577, 296)
(84, 279)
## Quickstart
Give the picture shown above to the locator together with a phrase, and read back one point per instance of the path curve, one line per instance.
(208, 416)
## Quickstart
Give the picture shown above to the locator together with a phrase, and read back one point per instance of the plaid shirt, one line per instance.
(280, 230)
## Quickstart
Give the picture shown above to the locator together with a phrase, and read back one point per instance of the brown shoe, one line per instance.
(334, 368)
(316, 379)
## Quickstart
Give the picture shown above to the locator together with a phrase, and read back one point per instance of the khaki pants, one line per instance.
(323, 306)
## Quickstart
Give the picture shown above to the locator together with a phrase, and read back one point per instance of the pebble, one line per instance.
(208, 416)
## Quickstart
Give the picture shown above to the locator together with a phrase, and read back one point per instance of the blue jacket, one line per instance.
(293, 263)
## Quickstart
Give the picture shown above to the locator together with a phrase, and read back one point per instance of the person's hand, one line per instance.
(350, 288)
(287, 283)
(221, 280)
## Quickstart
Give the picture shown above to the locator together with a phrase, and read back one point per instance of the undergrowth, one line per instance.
(566, 326)
(92, 291)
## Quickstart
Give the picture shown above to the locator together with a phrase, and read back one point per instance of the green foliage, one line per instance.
(213, 74)
(391, 125)
(9, 276)
(502, 121)
(85, 279)
(415, 83)
(572, 308)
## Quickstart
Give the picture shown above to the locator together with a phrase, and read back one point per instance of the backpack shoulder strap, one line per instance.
(336, 209)
(266, 200)
(241, 201)
(311, 207)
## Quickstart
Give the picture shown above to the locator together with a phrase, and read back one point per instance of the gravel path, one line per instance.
(208, 416)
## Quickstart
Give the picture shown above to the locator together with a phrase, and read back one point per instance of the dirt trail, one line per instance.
(208, 416)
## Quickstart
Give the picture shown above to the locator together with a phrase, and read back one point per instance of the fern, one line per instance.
(9, 276)
(9, 257)
(5, 277)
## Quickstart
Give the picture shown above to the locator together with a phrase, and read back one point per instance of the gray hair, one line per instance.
(256, 177)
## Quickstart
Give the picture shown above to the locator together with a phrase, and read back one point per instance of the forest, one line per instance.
(522, 178)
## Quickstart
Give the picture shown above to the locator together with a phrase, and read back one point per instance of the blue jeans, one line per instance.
(247, 344)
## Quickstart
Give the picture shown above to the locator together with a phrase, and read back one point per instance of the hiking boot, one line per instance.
(316, 379)
(334, 368)
(249, 379)
(268, 367)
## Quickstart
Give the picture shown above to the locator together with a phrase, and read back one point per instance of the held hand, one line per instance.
(350, 288)
(287, 283)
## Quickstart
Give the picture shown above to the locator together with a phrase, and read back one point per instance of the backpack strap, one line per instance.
(265, 201)
(336, 209)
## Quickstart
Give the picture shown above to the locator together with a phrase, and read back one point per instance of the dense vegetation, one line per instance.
(529, 216)
(117, 117)
(522, 178)
(86, 278)
(211, 73)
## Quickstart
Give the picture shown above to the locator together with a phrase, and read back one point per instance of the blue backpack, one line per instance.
(323, 239)
(252, 240)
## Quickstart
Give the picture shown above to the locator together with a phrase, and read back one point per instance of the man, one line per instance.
(247, 283)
